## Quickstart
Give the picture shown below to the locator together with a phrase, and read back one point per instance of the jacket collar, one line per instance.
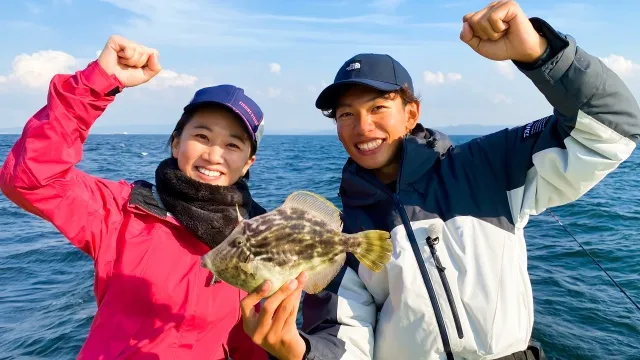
(145, 199)
(420, 150)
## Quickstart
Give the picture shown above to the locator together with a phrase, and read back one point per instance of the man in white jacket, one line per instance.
(457, 286)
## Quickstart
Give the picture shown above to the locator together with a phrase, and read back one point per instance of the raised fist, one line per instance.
(131, 63)
(502, 31)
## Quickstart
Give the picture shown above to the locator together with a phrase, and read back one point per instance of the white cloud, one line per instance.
(501, 99)
(35, 71)
(623, 67)
(169, 78)
(311, 88)
(275, 68)
(438, 78)
(506, 68)
(273, 92)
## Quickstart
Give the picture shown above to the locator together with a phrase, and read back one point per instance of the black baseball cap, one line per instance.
(379, 71)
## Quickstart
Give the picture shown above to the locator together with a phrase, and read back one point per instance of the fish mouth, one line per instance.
(206, 263)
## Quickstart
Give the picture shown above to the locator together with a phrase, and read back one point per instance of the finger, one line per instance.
(153, 65)
(285, 309)
(135, 59)
(271, 305)
(508, 10)
(291, 322)
(117, 43)
(125, 49)
(487, 28)
(468, 16)
(496, 25)
(248, 303)
(468, 37)
(282, 313)
(265, 317)
(476, 25)
(479, 23)
(144, 57)
(129, 55)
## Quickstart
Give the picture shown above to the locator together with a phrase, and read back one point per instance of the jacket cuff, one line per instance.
(556, 60)
(306, 352)
(97, 79)
(307, 344)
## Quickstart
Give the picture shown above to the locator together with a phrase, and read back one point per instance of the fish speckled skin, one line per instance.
(304, 234)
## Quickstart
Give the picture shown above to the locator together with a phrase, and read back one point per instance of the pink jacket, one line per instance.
(154, 299)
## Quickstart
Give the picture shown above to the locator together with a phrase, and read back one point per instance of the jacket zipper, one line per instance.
(423, 271)
(425, 276)
(431, 243)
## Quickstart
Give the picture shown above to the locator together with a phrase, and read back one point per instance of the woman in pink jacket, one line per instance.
(154, 299)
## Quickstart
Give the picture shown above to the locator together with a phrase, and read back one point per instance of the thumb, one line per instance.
(153, 66)
(467, 36)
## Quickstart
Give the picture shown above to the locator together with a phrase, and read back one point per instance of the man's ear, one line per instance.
(412, 112)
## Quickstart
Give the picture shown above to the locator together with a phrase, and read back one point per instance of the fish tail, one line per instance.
(374, 249)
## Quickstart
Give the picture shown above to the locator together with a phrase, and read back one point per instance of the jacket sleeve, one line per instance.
(39, 174)
(338, 322)
(555, 160)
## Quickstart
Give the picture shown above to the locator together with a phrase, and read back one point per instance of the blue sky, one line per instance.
(283, 52)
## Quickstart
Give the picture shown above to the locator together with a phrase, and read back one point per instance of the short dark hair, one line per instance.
(405, 94)
(188, 115)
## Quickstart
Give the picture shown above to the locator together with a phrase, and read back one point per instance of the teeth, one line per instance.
(370, 145)
(209, 173)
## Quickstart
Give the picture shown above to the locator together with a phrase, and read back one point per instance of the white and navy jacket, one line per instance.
(465, 292)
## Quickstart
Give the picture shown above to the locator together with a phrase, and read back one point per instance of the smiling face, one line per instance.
(213, 147)
(371, 125)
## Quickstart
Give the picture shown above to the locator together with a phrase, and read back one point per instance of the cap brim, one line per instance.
(240, 115)
(329, 95)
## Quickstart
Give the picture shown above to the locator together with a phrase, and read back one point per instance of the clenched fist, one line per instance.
(502, 31)
(131, 63)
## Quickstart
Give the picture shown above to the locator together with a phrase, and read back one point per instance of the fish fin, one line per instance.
(374, 248)
(238, 212)
(321, 278)
(317, 205)
(246, 267)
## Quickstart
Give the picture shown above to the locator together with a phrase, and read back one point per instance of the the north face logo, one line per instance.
(353, 66)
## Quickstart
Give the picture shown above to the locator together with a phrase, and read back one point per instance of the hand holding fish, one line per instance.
(131, 63)
(502, 31)
(302, 238)
(274, 328)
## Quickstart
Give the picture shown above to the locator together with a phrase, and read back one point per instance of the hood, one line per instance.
(420, 150)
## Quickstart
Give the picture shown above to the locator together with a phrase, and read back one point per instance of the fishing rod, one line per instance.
(594, 260)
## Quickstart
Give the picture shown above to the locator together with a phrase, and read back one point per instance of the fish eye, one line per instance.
(238, 241)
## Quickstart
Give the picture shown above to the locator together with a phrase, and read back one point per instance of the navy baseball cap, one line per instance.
(379, 71)
(235, 99)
